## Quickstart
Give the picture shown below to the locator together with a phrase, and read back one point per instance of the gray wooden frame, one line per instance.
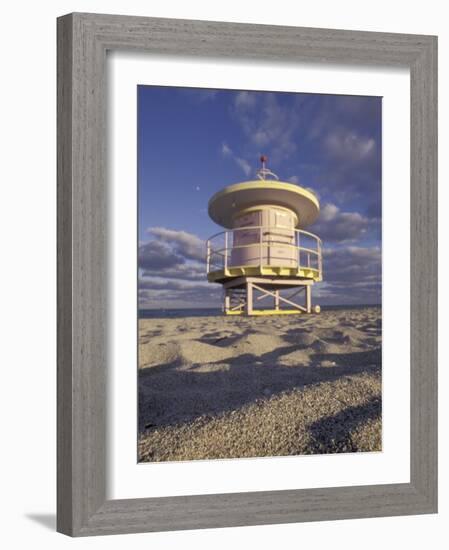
(83, 40)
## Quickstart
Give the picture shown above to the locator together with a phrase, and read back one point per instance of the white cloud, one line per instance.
(157, 255)
(190, 271)
(352, 274)
(266, 123)
(185, 244)
(348, 145)
(329, 212)
(226, 150)
(173, 270)
(243, 164)
(336, 226)
(245, 99)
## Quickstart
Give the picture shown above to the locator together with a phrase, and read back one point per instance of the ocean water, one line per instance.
(168, 313)
(213, 312)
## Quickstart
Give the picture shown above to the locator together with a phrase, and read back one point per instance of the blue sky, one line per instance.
(193, 142)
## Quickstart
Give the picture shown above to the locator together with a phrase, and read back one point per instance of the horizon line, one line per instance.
(219, 307)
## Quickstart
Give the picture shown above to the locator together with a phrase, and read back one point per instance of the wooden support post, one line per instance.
(227, 301)
(309, 298)
(249, 298)
(276, 300)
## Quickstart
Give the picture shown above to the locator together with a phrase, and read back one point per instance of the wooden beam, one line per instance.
(301, 289)
(280, 297)
(278, 281)
(249, 298)
(308, 299)
(265, 295)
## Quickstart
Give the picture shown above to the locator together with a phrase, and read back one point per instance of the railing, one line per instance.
(264, 246)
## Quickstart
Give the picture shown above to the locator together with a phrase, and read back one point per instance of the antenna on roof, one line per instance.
(264, 171)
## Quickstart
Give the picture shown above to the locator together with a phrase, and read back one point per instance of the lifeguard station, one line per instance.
(265, 250)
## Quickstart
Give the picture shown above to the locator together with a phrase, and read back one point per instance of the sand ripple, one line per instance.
(221, 387)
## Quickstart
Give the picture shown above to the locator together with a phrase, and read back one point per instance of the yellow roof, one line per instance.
(226, 203)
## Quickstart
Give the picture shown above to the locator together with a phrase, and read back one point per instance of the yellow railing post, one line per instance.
(226, 252)
(299, 250)
(313, 260)
(320, 261)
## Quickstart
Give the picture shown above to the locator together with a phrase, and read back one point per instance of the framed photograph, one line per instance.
(247, 274)
(236, 356)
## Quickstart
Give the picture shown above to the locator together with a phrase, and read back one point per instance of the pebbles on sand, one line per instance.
(246, 387)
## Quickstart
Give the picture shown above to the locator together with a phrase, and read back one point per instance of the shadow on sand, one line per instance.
(333, 434)
(174, 393)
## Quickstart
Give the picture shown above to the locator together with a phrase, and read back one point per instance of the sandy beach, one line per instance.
(228, 387)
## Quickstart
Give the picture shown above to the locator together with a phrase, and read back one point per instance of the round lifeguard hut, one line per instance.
(265, 249)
